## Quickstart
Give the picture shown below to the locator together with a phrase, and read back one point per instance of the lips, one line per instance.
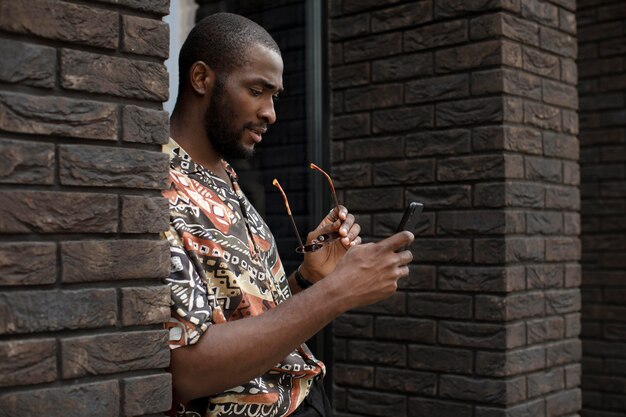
(257, 133)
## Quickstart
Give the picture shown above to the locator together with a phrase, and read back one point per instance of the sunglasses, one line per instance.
(320, 241)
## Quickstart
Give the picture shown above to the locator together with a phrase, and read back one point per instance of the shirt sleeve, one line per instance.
(192, 304)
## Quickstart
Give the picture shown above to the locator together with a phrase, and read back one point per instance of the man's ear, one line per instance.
(201, 77)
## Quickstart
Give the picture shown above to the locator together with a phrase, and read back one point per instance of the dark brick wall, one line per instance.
(81, 125)
(602, 87)
(283, 154)
(469, 107)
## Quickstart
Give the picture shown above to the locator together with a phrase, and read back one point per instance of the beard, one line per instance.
(225, 138)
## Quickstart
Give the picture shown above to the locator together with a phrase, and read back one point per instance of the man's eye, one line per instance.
(255, 93)
(275, 97)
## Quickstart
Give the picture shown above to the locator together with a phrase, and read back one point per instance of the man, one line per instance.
(236, 331)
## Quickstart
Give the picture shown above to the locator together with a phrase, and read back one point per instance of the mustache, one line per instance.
(259, 128)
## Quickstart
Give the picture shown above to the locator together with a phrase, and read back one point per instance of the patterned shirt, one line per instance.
(224, 267)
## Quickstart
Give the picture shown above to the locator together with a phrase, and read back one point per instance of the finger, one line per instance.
(341, 212)
(405, 257)
(346, 225)
(403, 271)
(354, 232)
(356, 241)
(396, 241)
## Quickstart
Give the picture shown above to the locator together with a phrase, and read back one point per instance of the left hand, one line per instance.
(318, 264)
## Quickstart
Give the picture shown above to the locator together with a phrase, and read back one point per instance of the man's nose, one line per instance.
(267, 112)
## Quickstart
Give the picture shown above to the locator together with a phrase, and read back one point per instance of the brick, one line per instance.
(542, 116)
(540, 63)
(569, 71)
(488, 390)
(498, 279)
(103, 74)
(479, 167)
(353, 375)
(437, 358)
(544, 222)
(508, 249)
(543, 169)
(560, 146)
(144, 214)
(27, 263)
(477, 55)
(450, 8)
(545, 382)
(100, 398)
(510, 307)
(145, 36)
(564, 402)
(506, 81)
(351, 7)
(437, 35)
(373, 352)
(479, 222)
(439, 88)
(540, 12)
(376, 404)
(49, 310)
(371, 47)
(449, 196)
(472, 111)
(527, 409)
(562, 301)
(558, 42)
(29, 64)
(602, 102)
(353, 325)
(566, 351)
(406, 381)
(612, 47)
(441, 250)
(444, 142)
(502, 364)
(513, 138)
(504, 25)
(114, 352)
(481, 334)
(27, 362)
(439, 305)
(374, 148)
(26, 162)
(64, 22)
(373, 97)
(571, 223)
(47, 212)
(22, 113)
(563, 198)
(421, 277)
(350, 75)
(147, 394)
(145, 125)
(560, 94)
(145, 305)
(401, 67)
(400, 328)
(551, 328)
(544, 276)
(402, 119)
(401, 16)
(600, 66)
(350, 26)
(394, 305)
(374, 199)
(112, 167)
(509, 194)
(101, 260)
(160, 7)
(404, 172)
(419, 407)
(353, 125)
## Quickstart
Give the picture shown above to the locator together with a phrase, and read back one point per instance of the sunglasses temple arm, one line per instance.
(293, 222)
(295, 229)
(330, 181)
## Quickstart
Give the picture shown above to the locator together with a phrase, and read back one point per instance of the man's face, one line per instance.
(242, 103)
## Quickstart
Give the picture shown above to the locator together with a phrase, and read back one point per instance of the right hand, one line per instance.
(369, 272)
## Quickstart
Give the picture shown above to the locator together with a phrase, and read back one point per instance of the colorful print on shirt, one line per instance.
(225, 266)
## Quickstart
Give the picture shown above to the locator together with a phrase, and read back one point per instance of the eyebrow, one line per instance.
(268, 85)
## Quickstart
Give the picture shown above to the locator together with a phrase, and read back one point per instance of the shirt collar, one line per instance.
(181, 161)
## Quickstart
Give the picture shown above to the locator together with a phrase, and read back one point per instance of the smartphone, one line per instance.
(410, 217)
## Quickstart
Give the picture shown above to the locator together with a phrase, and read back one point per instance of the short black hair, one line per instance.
(221, 41)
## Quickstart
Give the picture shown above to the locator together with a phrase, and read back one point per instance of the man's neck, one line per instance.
(194, 141)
